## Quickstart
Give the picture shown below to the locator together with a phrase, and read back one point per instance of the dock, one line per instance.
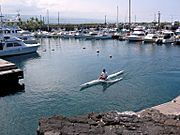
(9, 77)
(171, 107)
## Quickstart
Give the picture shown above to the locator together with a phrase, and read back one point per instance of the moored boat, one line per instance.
(150, 38)
(166, 37)
(136, 36)
(15, 46)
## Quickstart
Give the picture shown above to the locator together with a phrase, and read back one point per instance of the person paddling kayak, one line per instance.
(103, 75)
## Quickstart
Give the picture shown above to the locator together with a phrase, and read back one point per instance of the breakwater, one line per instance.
(153, 121)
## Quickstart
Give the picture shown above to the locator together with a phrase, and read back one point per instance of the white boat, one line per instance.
(150, 38)
(136, 36)
(166, 37)
(26, 36)
(103, 36)
(15, 46)
(177, 37)
(99, 81)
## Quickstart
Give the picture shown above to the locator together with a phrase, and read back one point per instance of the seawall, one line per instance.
(162, 119)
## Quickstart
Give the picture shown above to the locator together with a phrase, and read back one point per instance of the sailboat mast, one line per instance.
(117, 22)
(48, 19)
(58, 18)
(1, 16)
(129, 12)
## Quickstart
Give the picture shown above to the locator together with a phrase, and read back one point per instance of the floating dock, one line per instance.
(9, 76)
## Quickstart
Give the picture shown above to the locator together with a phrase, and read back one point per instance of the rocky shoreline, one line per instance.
(147, 122)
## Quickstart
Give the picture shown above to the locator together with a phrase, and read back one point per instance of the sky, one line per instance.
(142, 10)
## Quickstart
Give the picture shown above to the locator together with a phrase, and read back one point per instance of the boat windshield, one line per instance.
(166, 36)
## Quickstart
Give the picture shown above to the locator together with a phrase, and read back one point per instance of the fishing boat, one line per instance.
(99, 81)
(15, 46)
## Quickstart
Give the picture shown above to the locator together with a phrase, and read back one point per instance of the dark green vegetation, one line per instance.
(33, 24)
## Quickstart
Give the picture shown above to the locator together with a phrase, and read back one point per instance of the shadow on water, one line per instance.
(7, 90)
(20, 60)
(24, 57)
(106, 85)
(13, 87)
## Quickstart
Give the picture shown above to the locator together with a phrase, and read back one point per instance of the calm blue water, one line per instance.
(52, 79)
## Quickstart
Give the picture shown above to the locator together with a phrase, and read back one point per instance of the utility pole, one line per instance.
(129, 13)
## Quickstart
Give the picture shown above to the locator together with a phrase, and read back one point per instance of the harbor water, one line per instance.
(52, 79)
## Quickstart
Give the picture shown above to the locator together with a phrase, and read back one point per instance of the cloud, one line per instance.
(91, 8)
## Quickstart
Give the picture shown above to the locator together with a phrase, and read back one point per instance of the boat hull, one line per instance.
(99, 81)
(19, 50)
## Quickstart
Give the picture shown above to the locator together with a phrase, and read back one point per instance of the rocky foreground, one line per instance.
(147, 122)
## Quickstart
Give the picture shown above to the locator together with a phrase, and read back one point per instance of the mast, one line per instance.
(48, 19)
(159, 19)
(1, 17)
(117, 21)
(129, 12)
(105, 23)
(58, 18)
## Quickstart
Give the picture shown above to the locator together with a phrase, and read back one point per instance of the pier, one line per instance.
(9, 78)
(171, 107)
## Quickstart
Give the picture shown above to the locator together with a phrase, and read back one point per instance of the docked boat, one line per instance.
(137, 36)
(15, 46)
(26, 36)
(166, 37)
(150, 38)
(102, 36)
(177, 42)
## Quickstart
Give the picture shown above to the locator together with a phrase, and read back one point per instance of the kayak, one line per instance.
(108, 80)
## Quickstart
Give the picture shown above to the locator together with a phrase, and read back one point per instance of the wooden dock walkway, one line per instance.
(172, 107)
(9, 76)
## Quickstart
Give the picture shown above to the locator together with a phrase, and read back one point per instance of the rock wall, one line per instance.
(147, 122)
